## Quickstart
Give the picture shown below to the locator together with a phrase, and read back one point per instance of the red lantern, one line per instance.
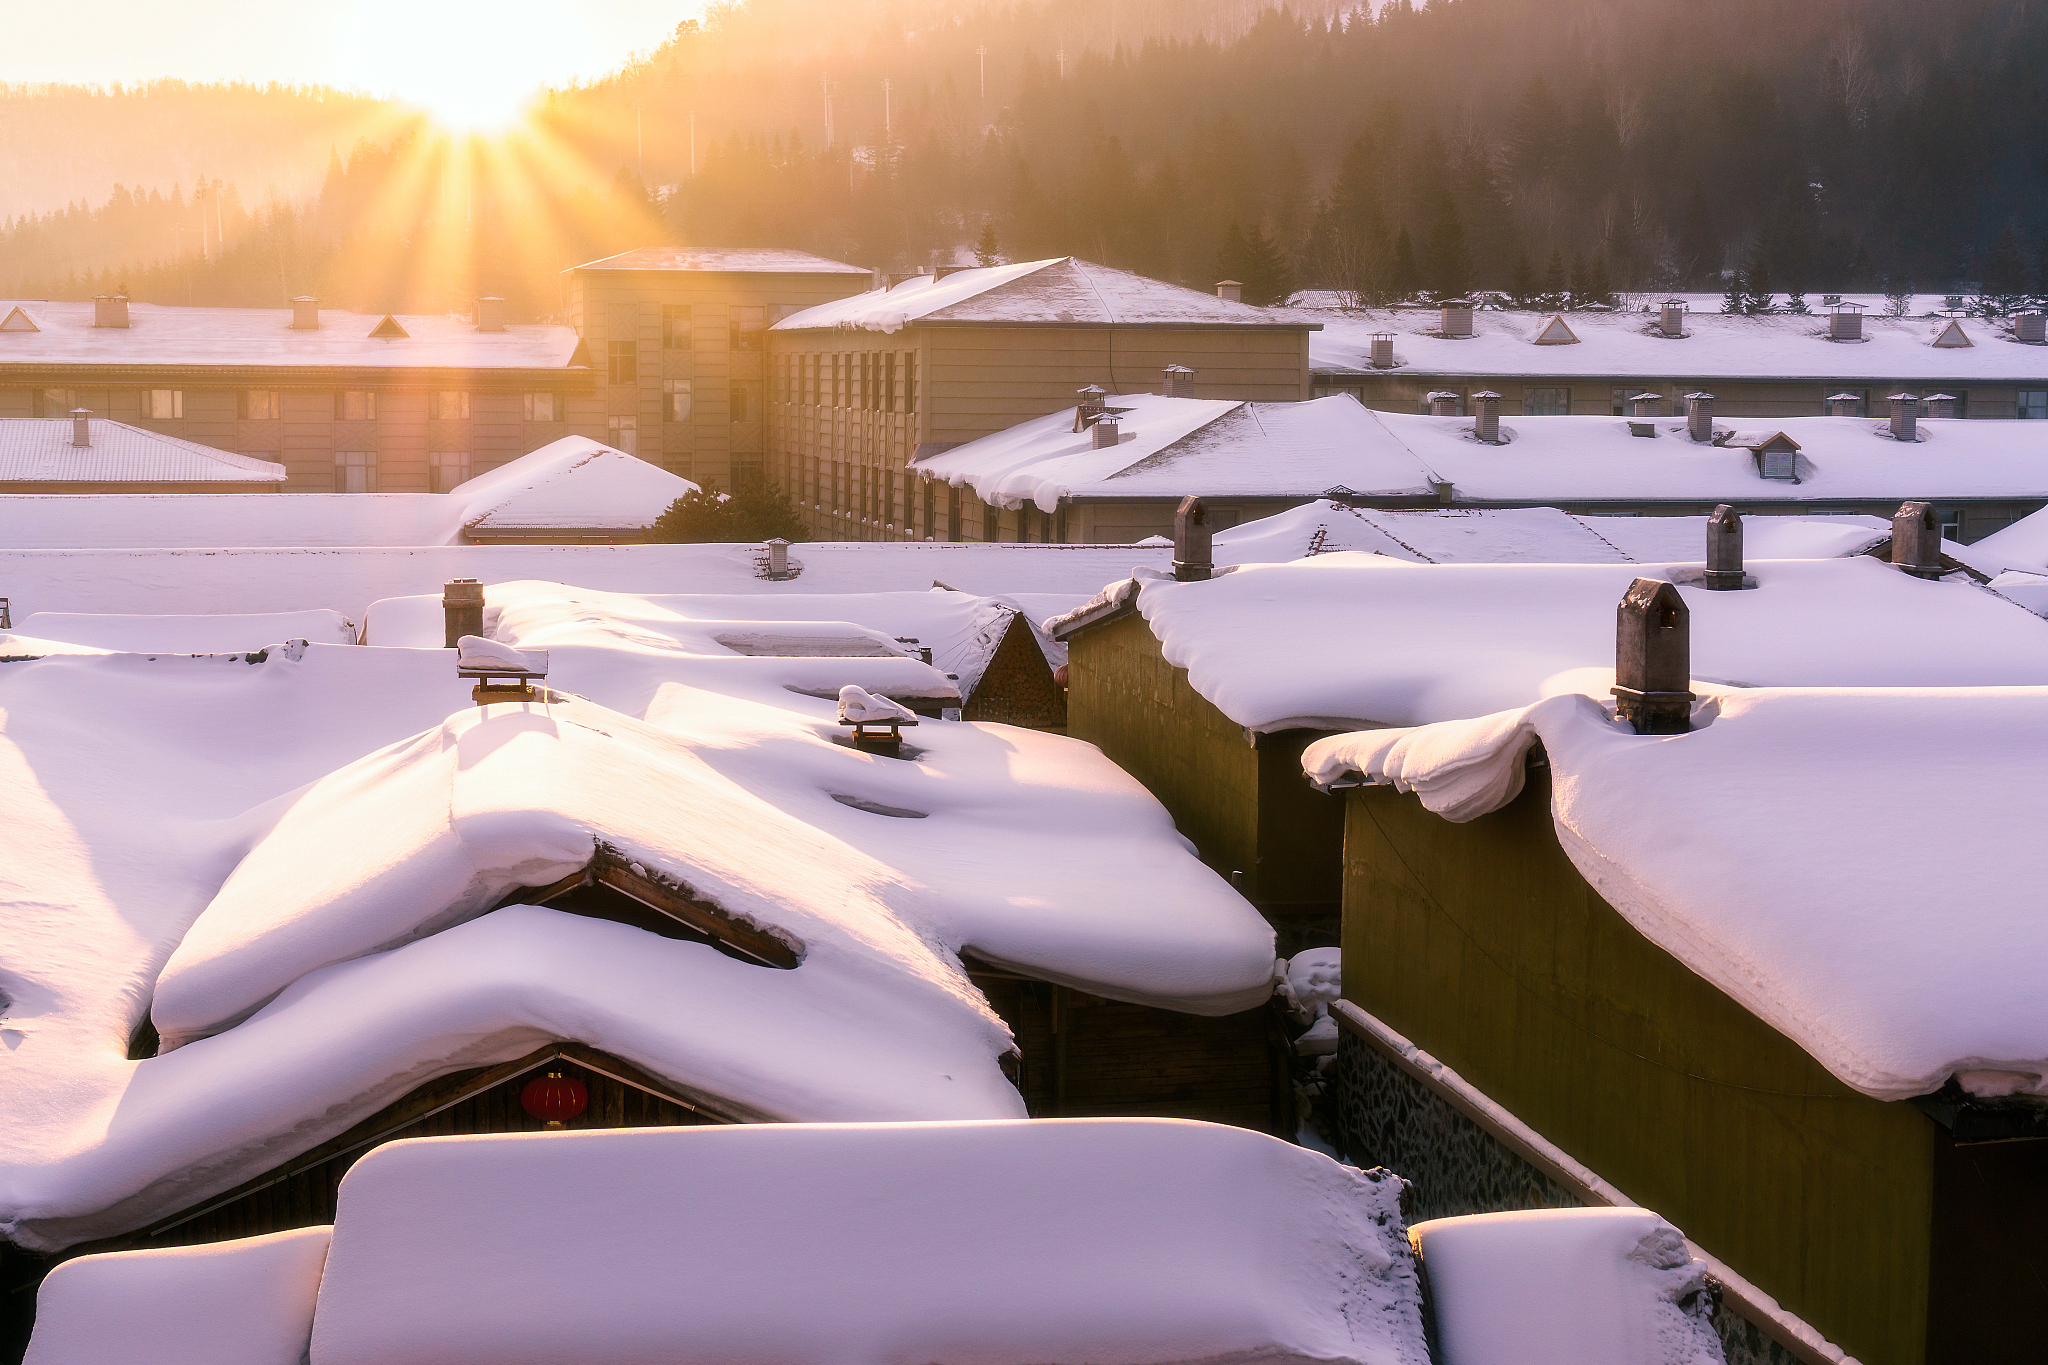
(555, 1098)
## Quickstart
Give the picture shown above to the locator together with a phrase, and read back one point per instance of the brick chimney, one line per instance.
(1107, 433)
(1645, 404)
(1845, 322)
(1699, 417)
(110, 310)
(81, 427)
(1844, 404)
(305, 314)
(1905, 425)
(1653, 659)
(1671, 318)
(1443, 403)
(1724, 550)
(1916, 540)
(462, 609)
(1486, 416)
(490, 314)
(1192, 556)
(1383, 350)
(1172, 373)
(1454, 318)
(1230, 291)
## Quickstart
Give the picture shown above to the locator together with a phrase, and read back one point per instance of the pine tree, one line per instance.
(987, 249)
(1522, 284)
(1699, 250)
(2005, 275)
(1257, 263)
(1577, 290)
(1735, 300)
(1759, 298)
(1403, 277)
(1599, 293)
(758, 511)
(1450, 262)
(1556, 284)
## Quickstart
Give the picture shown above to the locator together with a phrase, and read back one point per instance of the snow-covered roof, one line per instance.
(571, 484)
(1811, 884)
(1063, 292)
(753, 260)
(1527, 535)
(1170, 447)
(834, 1242)
(290, 863)
(158, 334)
(1625, 345)
(2022, 545)
(135, 633)
(1598, 460)
(1345, 641)
(40, 450)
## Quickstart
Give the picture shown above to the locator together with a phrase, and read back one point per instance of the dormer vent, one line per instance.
(1230, 291)
(1557, 332)
(1653, 659)
(389, 330)
(1953, 337)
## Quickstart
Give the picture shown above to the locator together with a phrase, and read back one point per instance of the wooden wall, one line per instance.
(1482, 944)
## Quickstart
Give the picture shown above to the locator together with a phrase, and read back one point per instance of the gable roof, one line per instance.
(729, 260)
(1953, 336)
(1063, 292)
(39, 450)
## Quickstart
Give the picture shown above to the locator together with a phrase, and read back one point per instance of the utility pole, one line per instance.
(640, 143)
(1062, 54)
(828, 86)
(888, 119)
(693, 144)
(981, 51)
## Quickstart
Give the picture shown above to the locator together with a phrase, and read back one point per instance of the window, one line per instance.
(740, 402)
(355, 405)
(675, 327)
(624, 433)
(1546, 402)
(2032, 406)
(446, 469)
(891, 395)
(355, 471)
(448, 405)
(1953, 521)
(910, 381)
(261, 405)
(678, 405)
(622, 362)
(55, 402)
(163, 405)
(748, 324)
(1622, 407)
(540, 407)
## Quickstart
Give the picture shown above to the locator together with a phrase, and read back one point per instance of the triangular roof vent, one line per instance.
(1953, 335)
(580, 356)
(389, 329)
(1557, 332)
(18, 321)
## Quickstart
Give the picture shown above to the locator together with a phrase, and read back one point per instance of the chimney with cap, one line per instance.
(110, 310)
(1724, 550)
(1173, 372)
(1653, 659)
(1230, 291)
(1486, 416)
(1455, 318)
(1383, 350)
(1916, 541)
(1671, 318)
(1905, 424)
(1191, 536)
(1442, 403)
(490, 314)
(462, 610)
(778, 559)
(1941, 405)
(305, 314)
(1844, 404)
(1088, 405)
(2032, 328)
(81, 427)
(1699, 417)
(1106, 431)
(1845, 322)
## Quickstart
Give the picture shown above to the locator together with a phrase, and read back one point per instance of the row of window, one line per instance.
(355, 471)
(2031, 404)
(865, 381)
(350, 405)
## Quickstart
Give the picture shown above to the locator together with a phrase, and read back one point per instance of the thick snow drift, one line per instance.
(1799, 849)
(190, 634)
(1566, 1287)
(1348, 641)
(1054, 1242)
(227, 1303)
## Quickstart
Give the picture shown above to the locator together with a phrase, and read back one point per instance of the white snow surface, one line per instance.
(1777, 851)
(1048, 1242)
(304, 845)
(1171, 447)
(570, 484)
(857, 704)
(40, 450)
(1351, 640)
(1565, 1287)
(224, 634)
(247, 1302)
(476, 652)
(2022, 545)
(1527, 535)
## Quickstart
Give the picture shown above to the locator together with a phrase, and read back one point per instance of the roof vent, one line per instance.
(1941, 405)
(778, 566)
(1653, 659)
(1106, 431)
(2031, 328)
(1454, 318)
(1090, 406)
(110, 310)
(1645, 404)
(1230, 291)
(1845, 322)
(81, 427)
(1724, 551)
(1699, 417)
(1671, 318)
(18, 321)
(1557, 332)
(1953, 337)
(1916, 540)
(1486, 418)
(1844, 404)
(1443, 403)
(490, 314)
(462, 610)
(305, 314)
(389, 330)
(1383, 350)
(1192, 556)
(1173, 372)
(1776, 455)
(1905, 423)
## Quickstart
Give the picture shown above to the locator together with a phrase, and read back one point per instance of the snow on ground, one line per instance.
(1528, 535)
(1813, 883)
(1342, 641)
(190, 634)
(310, 838)
(1566, 1287)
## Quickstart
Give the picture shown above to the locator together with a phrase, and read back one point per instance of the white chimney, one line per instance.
(110, 311)
(1671, 318)
(490, 314)
(1230, 291)
(1455, 318)
(81, 427)
(1383, 350)
(305, 314)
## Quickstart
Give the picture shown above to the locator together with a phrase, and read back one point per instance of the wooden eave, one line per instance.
(670, 900)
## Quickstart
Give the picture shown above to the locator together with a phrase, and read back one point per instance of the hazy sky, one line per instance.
(450, 54)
